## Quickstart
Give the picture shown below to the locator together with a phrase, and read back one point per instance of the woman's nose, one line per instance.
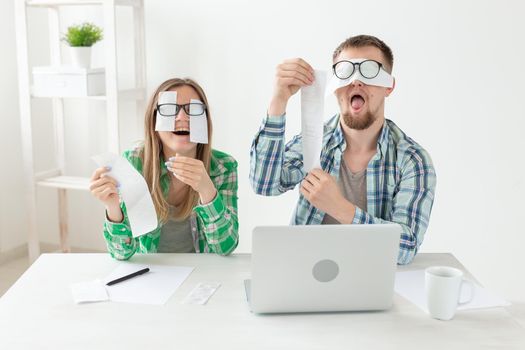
(181, 115)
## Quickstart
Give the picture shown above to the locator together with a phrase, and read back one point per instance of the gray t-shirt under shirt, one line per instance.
(353, 188)
(175, 236)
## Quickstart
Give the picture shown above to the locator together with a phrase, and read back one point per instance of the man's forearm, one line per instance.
(343, 212)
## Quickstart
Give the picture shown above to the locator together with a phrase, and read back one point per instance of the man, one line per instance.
(371, 171)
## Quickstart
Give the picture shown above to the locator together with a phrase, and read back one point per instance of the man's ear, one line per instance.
(389, 90)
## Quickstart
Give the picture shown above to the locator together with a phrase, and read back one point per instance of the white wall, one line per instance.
(459, 93)
(12, 226)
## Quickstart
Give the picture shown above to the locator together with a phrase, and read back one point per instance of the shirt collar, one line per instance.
(382, 140)
(337, 138)
(163, 168)
(214, 167)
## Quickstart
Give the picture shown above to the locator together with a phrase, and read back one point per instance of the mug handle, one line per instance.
(471, 286)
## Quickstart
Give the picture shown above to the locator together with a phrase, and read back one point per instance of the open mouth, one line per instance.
(357, 101)
(181, 131)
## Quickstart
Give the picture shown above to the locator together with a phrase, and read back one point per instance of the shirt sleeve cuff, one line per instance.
(273, 126)
(211, 211)
(361, 217)
(118, 228)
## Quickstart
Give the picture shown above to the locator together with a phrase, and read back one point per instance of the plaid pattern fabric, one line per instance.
(400, 177)
(214, 226)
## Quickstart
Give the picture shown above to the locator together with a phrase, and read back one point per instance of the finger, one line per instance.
(307, 186)
(184, 169)
(183, 172)
(102, 181)
(312, 179)
(291, 82)
(104, 195)
(184, 160)
(194, 168)
(295, 75)
(187, 180)
(99, 190)
(295, 68)
(317, 173)
(305, 193)
(99, 171)
(300, 62)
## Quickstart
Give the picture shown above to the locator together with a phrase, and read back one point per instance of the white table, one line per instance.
(38, 312)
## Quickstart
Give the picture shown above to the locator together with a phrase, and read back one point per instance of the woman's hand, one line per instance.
(104, 188)
(192, 172)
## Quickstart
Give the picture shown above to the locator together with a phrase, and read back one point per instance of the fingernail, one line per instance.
(172, 158)
(108, 168)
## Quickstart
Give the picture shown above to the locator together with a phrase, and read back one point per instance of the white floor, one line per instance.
(10, 271)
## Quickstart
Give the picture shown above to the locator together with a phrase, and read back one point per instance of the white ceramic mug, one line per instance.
(443, 286)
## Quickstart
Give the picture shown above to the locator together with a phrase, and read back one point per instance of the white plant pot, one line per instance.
(80, 56)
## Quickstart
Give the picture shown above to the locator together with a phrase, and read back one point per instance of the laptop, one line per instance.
(323, 268)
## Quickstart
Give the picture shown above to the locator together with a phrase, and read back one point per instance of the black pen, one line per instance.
(127, 277)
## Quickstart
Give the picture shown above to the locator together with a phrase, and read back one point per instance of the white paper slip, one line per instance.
(198, 125)
(411, 286)
(201, 293)
(153, 288)
(312, 120)
(163, 122)
(133, 191)
(86, 292)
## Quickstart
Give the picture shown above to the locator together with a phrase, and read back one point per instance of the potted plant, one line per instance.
(80, 38)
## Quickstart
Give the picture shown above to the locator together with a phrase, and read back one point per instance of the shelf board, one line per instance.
(98, 97)
(66, 182)
(55, 3)
(128, 94)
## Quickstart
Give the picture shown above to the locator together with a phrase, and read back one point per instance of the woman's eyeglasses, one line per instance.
(172, 109)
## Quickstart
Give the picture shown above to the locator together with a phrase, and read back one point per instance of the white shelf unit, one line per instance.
(57, 178)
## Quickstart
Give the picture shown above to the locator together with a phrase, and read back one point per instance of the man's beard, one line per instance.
(359, 123)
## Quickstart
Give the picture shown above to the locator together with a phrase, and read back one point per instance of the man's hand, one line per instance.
(290, 76)
(321, 190)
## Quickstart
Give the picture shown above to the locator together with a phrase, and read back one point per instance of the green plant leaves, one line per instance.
(85, 34)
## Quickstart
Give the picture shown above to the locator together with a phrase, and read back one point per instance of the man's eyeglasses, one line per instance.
(369, 69)
(172, 109)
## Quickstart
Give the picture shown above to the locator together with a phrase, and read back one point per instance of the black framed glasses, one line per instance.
(369, 69)
(172, 109)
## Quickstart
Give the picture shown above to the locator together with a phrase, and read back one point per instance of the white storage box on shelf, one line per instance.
(68, 82)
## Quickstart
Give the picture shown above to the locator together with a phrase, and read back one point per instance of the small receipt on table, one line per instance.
(201, 293)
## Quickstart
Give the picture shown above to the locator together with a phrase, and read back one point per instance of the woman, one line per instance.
(193, 187)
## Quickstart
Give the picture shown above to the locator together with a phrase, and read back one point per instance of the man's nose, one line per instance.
(357, 83)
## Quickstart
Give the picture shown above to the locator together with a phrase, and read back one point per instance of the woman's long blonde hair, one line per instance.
(152, 153)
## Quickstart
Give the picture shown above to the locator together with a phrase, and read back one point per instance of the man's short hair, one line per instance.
(367, 40)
